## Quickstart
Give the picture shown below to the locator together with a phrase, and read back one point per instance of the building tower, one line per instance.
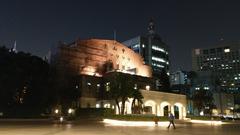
(153, 50)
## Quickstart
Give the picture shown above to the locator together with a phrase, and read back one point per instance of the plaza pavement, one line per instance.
(93, 127)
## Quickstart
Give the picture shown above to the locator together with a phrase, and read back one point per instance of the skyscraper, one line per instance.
(223, 61)
(153, 50)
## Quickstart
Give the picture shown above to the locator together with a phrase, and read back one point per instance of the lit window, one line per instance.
(158, 59)
(135, 46)
(158, 49)
(226, 50)
(107, 106)
(206, 88)
(197, 51)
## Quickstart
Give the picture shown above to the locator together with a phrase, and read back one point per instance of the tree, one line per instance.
(164, 81)
(137, 97)
(192, 75)
(203, 101)
(121, 86)
(23, 82)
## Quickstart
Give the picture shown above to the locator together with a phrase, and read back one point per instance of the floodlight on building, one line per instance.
(97, 105)
(56, 111)
(201, 113)
(70, 110)
(147, 87)
(61, 119)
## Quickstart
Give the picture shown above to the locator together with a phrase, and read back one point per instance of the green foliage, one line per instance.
(137, 117)
(94, 112)
(23, 81)
(137, 97)
(203, 101)
(192, 75)
(121, 87)
(204, 118)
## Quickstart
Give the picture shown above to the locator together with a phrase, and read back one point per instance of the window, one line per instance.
(212, 51)
(135, 46)
(219, 50)
(205, 51)
(226, 49)
(197, 51)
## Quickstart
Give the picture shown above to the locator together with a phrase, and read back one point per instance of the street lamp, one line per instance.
(56, 111)
(70, 110)
(147, 87)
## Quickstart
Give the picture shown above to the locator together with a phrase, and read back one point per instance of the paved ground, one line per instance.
(88, 127)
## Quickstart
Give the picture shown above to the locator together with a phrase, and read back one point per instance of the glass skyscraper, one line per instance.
(153, 50)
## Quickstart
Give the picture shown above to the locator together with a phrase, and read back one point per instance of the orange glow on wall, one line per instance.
(89, 57)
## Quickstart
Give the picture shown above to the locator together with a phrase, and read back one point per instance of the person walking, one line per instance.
(171, 120)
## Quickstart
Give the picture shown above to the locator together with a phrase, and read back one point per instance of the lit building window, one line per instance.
(107, 106)
(206, 88)
(108, 86)
(135, 46)
(158, 59)
(226, 50)
(197, 51)
(158, 49)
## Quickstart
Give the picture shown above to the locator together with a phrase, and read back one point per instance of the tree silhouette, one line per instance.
(164, 81)
(121, 87)
(137, 97)
(203, 101)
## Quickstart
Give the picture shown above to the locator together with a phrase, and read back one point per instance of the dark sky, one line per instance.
(182, 24)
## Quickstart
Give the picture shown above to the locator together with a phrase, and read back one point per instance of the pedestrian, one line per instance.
(171, 120)
(155, 119)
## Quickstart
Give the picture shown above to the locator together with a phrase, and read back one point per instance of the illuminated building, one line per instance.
(95, 57)
(151, 47)
(223, 61)
(92, 61)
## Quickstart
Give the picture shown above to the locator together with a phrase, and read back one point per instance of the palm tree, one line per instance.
(137, 96)
(121, 87)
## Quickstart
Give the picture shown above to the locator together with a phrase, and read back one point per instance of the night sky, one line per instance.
(36, 25)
